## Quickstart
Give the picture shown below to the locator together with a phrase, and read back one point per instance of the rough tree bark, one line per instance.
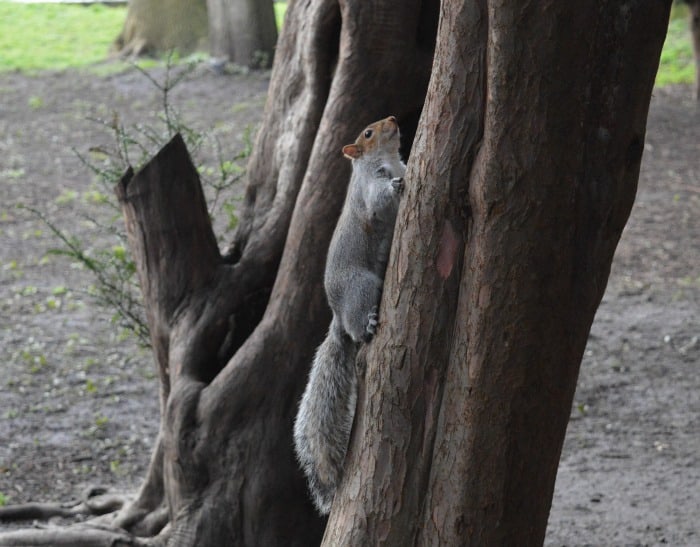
(230, 477)
(521, 180)
(157, 26)
(233, 335)
(242, 31)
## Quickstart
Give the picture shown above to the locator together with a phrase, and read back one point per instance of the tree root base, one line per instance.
(115, 522)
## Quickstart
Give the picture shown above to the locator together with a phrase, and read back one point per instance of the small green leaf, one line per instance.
(119, 252)
(35, 102)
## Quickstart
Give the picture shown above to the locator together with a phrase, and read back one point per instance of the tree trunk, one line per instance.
(243, 31)
(233, 375)
(521, 180)
(158, 26)
(215, 463)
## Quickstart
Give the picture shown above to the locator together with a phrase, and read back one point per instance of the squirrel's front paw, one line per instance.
(372, 322)
(397, 184)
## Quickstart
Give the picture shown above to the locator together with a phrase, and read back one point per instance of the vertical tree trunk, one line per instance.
(520, 182)
(157, 26)
(234, 335)
(243, 31)
(522, 176)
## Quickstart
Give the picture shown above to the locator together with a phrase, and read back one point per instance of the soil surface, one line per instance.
(79, 404)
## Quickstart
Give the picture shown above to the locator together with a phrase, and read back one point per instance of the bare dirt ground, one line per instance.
(78, 404)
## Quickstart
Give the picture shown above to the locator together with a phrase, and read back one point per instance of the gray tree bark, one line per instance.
(234, 334)
(520, 182)
(521, 179)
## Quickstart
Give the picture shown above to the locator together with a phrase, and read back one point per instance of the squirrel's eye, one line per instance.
(368, 133)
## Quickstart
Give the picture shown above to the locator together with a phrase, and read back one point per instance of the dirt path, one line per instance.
(78, 405)
(630, 470)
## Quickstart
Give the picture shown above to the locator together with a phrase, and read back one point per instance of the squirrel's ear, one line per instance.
(352, 151)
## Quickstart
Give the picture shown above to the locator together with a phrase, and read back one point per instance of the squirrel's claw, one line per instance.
(372, 322)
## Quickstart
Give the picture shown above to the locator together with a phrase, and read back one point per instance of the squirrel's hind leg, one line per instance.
(360, 304)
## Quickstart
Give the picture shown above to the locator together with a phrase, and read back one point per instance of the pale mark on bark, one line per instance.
(448, 250)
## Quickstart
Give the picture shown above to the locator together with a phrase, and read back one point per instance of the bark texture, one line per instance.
(213, 465)
(521, 180)
(243, 31)
(157, 26)
(234, 334)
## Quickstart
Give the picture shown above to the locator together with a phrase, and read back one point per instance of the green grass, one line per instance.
(677, 65)
(280, 10)
(52, 36)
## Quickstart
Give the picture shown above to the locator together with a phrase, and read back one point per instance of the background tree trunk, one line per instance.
(521, 180)
(157, 26)
(243, 31)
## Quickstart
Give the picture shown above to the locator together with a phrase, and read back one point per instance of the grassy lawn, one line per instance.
(677, 64)
(52, 36)
(280, 10)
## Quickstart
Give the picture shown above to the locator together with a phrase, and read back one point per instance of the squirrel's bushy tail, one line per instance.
(323, 423)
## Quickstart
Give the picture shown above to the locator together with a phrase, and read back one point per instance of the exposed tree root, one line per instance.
(78, 535)
(95, 501)
(117, 522)
(140, 522)
(147, 514)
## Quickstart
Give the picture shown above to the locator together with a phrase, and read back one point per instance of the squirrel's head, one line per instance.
(379, 137)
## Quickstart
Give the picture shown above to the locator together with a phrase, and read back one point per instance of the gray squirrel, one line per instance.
(354, 276)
